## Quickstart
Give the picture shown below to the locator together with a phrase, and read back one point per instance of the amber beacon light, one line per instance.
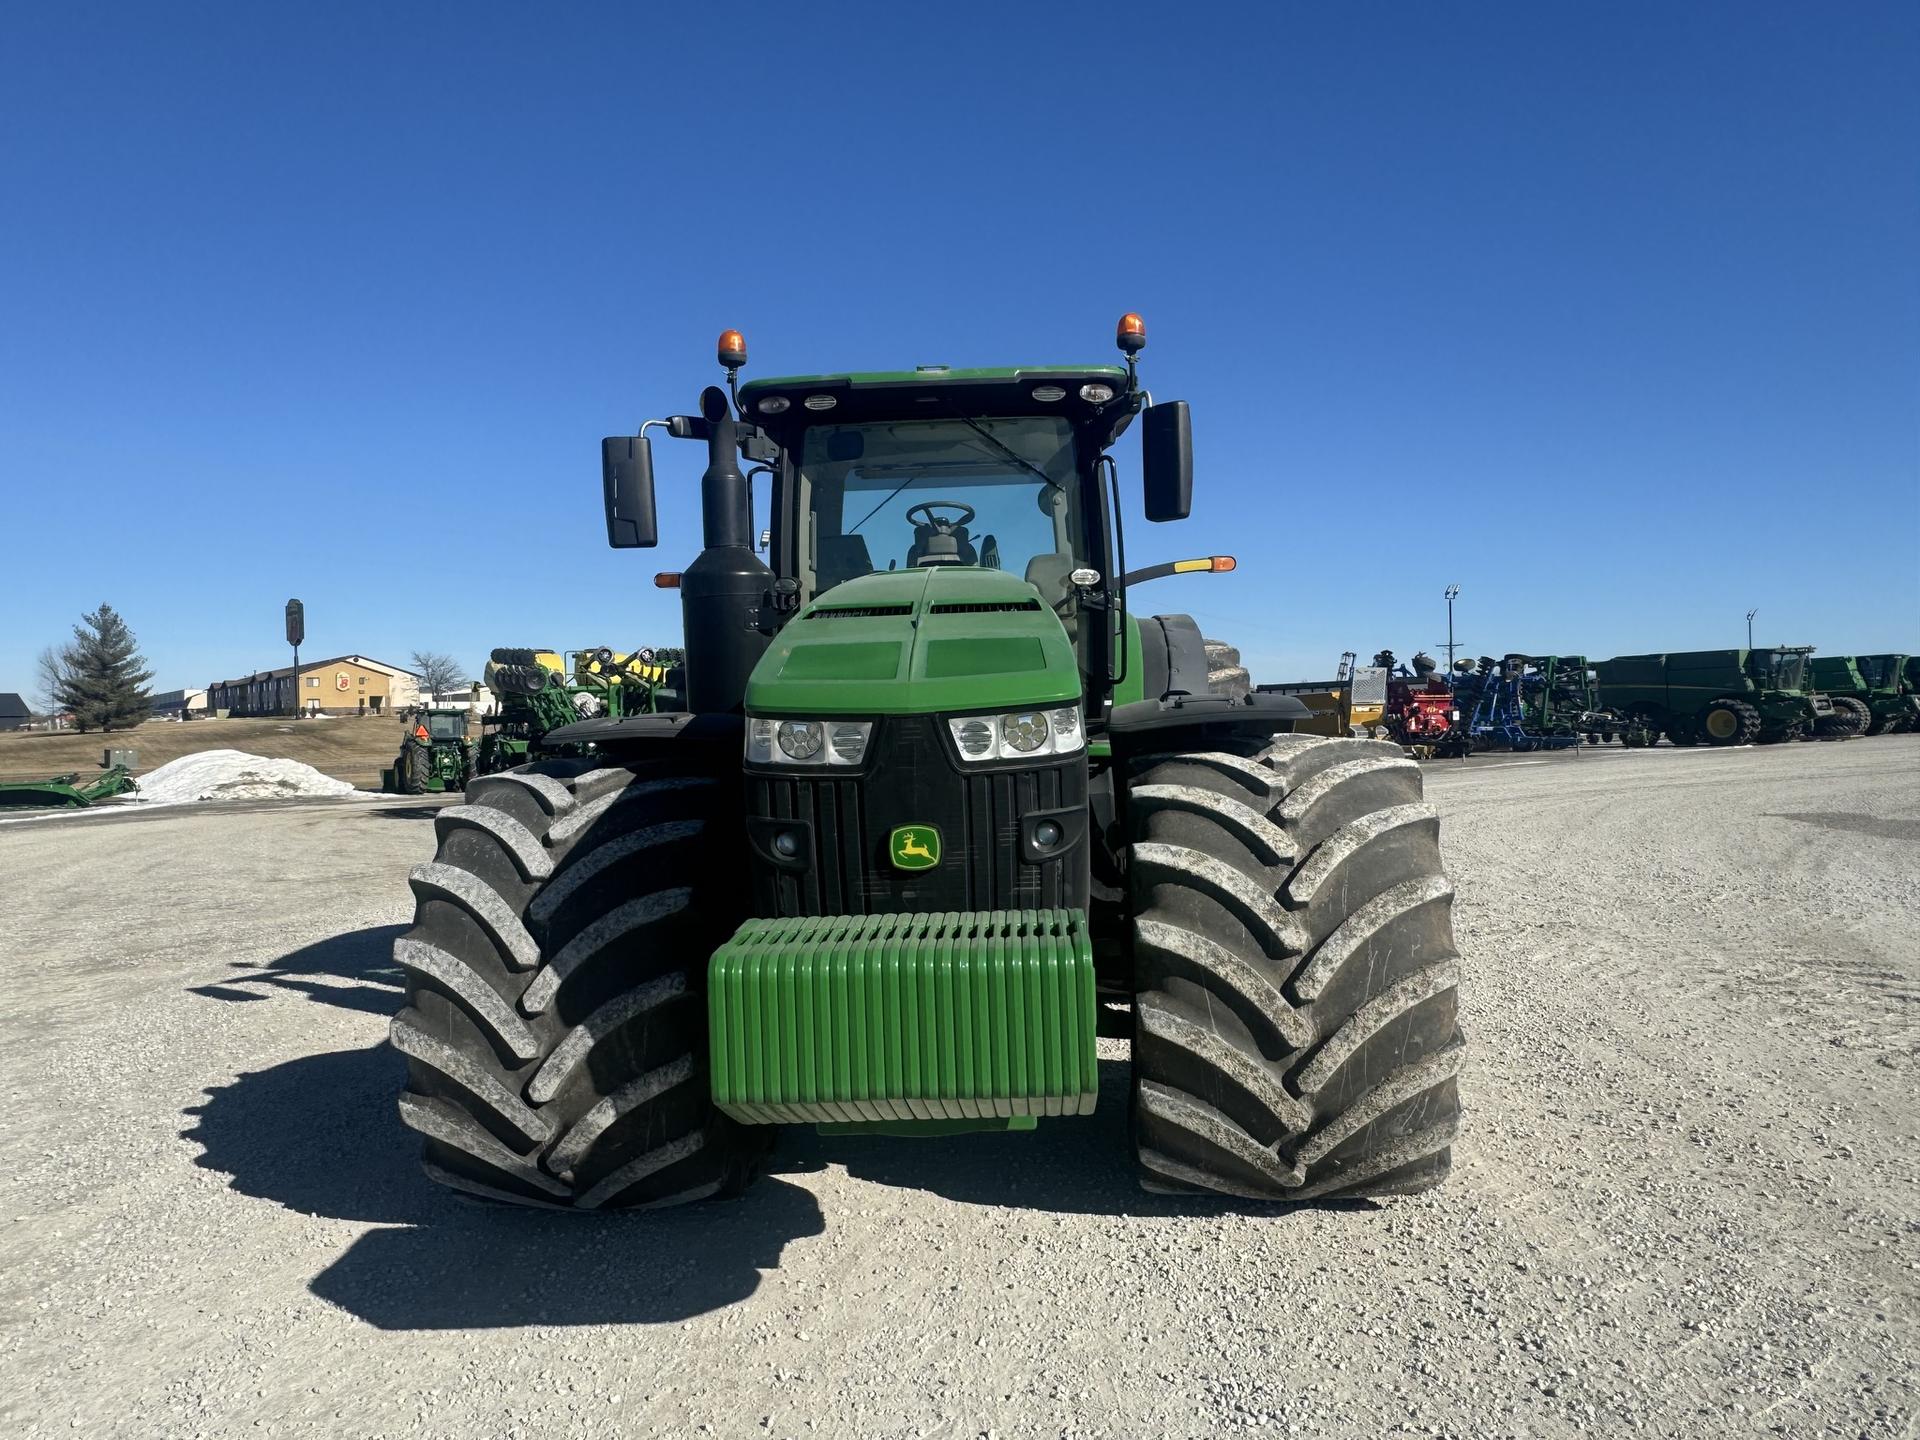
(732, 349)
(1131, 335)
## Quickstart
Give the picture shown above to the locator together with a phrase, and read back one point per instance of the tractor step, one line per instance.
(876, 1020)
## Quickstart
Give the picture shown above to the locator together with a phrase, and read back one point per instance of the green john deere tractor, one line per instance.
(940, 808)
(1872, 686)
(1718, 697)
(435, 757)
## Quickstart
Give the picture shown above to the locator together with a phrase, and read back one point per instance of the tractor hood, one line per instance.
(914, 642)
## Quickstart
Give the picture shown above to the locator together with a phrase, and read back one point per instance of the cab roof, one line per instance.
(935, 375)
(900, 394)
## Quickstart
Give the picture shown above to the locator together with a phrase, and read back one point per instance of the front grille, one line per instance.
(983, 607)
(865, 612)
(912, 780)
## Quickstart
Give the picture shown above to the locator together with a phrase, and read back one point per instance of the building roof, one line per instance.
(307, 665)
(11, 705)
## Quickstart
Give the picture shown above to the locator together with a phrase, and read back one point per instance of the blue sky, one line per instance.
(1611, 315)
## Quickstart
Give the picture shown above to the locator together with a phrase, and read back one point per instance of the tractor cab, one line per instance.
(443, 725)
(925, 470)
(887, 487)
(1782, 668)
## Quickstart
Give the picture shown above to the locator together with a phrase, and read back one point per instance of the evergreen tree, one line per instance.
(105, 679)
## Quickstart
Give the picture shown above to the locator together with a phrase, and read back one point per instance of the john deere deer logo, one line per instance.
(915, 847)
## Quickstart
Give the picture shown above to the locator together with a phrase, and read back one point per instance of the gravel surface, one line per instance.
(1684, 1202)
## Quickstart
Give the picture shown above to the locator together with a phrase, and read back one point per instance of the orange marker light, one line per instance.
(667, 580)
(1223, 563)
(733, 349)
(1131, 336)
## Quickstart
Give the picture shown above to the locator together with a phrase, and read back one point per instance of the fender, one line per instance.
(610, 734)
(1183, 722)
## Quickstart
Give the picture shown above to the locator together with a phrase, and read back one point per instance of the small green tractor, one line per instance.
(539, 691)
(1720, 697)
(1873, 686)
(938, 806)
(435, 757)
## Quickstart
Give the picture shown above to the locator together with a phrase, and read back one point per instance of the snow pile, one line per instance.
(234, 775)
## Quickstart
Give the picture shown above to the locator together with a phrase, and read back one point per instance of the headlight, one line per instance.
(807, 742)
(1025, 732)
(800, 739)
(1018, 735)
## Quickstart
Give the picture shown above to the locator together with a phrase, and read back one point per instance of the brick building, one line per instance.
(344, 685)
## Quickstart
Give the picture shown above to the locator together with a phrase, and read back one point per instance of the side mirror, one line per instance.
(1166, 460)
(626, 477)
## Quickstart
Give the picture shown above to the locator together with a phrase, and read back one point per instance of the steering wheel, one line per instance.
(934, 521)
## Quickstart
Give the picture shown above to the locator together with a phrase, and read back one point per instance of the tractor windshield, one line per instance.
(1005, 493)
(446, 727)
(1877, 670)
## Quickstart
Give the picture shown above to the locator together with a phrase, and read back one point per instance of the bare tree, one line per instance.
(50, 678)
(439, 674)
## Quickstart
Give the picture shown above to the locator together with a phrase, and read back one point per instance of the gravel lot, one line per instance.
(1684, 1201)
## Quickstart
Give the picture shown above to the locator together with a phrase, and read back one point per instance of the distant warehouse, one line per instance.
(179, 704)
(344, 685)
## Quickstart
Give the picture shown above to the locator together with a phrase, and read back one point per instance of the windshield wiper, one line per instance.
(1005, 449)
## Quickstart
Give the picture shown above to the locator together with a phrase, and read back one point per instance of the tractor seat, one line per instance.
(1048, 574)
(930, 547)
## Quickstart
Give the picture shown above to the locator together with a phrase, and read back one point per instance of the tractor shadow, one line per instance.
(319, 1136)
(406, 812)
(1078, 1166)
(354, 971)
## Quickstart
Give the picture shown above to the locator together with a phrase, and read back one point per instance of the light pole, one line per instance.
(1452, 592)
(1750, 614)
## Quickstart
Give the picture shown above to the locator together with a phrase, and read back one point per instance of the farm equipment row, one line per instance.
(1701, 697)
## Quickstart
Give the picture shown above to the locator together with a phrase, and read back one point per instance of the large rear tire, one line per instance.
(1295, 1032)
(1729, 722)
(412, 768)
(555, 1026)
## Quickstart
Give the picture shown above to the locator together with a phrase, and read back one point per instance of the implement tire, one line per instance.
(1859, 711)
(555, 1027)
(1295, 974)
(1848, 719)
